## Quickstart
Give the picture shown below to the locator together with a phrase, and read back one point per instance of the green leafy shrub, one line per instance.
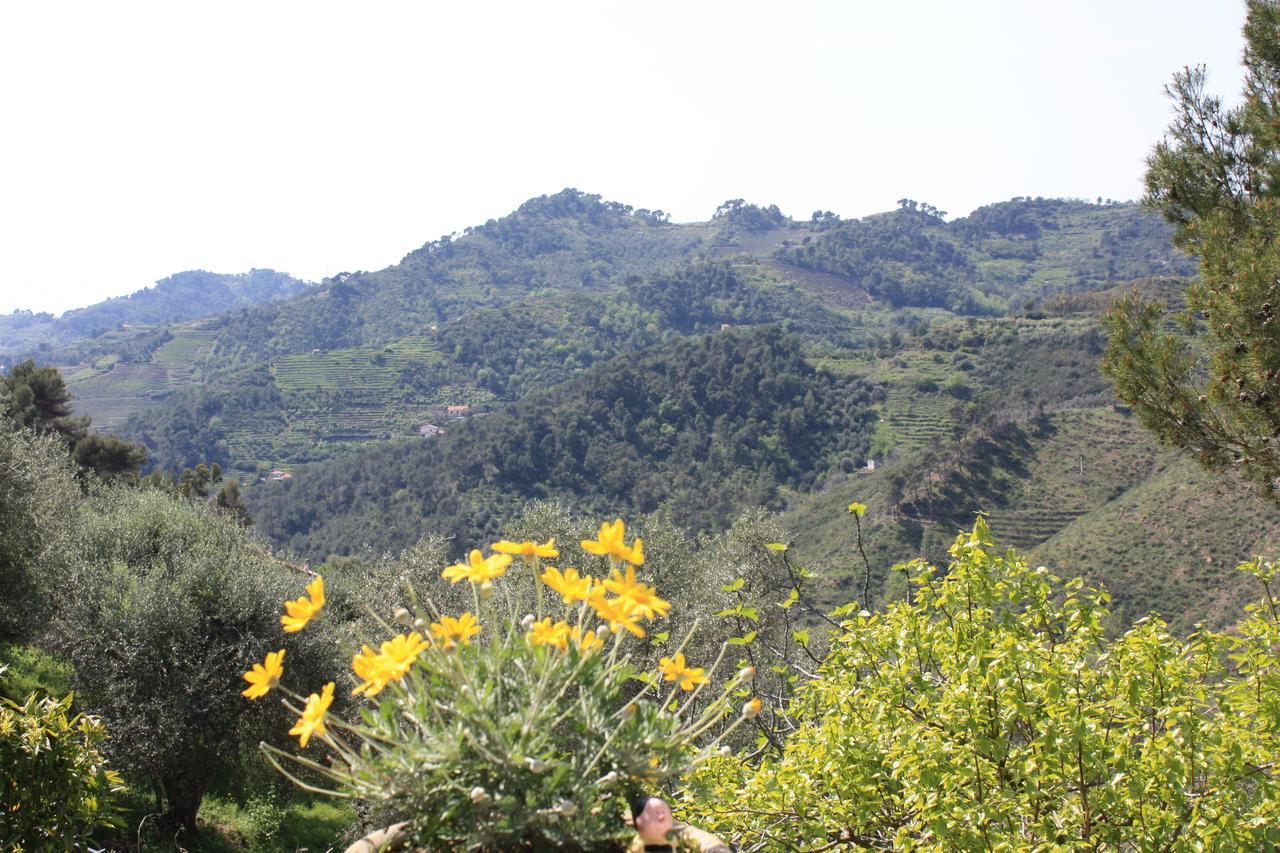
(523, 722)
(55, 787)
(991, 711)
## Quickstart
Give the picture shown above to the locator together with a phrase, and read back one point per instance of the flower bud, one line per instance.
(420, 624)
(725, 751)
(630, 710)
(478, 795)
(403, 616)
(486, 590)
(536, 765)
(746, 673)
(751, 709)
(567, 808)
(527, 622)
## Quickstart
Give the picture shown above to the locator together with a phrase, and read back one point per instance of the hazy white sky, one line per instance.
(141, 139)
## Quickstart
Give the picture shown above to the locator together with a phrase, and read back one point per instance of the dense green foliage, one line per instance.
(990, 710)
(528, 300)
(568, 240)
(36, 397)
(55, 787)
(698, 427)
(1211, 387)
(161, 606)
(37, 493)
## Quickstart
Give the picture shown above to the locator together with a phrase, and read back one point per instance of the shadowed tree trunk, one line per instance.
(184, 794)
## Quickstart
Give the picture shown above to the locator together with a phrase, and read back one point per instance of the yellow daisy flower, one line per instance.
(527, 550)
(391, 664)
(312, 720)
(570, 586)
(618, 612)
(644, 599)
(264, 675)
(478, 569)
(302, 610)
(587, 642)
(610, 541)
(675, 669)
(544, 633)
(449, 631)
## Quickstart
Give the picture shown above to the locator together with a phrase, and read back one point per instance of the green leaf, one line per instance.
(743, 640)
(791, 599)
(801, 636)
(737, 584)
(776, 546)
(659, 638)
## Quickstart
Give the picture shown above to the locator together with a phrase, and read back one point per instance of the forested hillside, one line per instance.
(530, 299)
(698, 428)
(182, 296)
(1001, 256)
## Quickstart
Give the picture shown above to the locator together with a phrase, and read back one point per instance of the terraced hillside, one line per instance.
(111, 391)
(185, 353)
(112, 395)
(1171, 544)
(375, 370)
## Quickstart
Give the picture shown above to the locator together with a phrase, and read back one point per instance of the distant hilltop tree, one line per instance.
(750, 217)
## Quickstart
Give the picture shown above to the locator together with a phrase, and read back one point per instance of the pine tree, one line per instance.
(1210, 383)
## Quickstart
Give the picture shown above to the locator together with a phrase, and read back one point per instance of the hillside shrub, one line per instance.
(521, 722)
(55, 787)
(990, 710)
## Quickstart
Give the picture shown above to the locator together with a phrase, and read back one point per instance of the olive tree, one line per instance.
(38, 495)
(161, 607)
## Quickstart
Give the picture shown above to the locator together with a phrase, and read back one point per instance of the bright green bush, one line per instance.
(991, 711)
(55, 787)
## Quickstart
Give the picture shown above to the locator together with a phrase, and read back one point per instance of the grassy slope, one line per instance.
(1158, 532)
(1170, 544)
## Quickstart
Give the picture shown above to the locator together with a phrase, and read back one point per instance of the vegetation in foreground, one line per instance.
(990, 710)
